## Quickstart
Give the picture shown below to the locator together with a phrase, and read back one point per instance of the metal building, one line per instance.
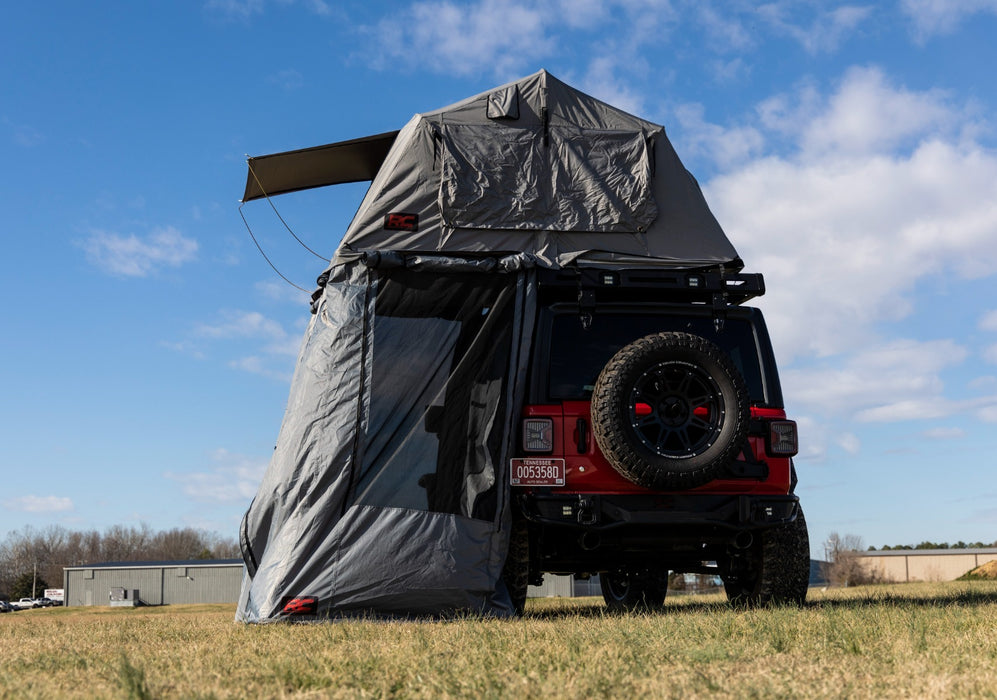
(157, 582)
(906, 565)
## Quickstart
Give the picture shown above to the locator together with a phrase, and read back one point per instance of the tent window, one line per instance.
(439, 359)
(583, 180)
(602, 180)
(492, 178)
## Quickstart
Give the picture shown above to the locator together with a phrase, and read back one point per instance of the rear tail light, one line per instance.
(782, 438)
(538, 435)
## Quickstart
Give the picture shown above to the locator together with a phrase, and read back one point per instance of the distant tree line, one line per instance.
(935, 545)
(31, 556)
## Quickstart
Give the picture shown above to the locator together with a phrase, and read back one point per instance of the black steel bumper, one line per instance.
(602, 513)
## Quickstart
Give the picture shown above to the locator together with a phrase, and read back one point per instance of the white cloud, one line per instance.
(39, 504)
(988, 413)
(944, 433)
(867, 114)
(725, 147)
(231, 477)
(462, 39)
(509, 38)
(23, 135)
(318, 7)
(235, 9)
(725, 29)
(825, 32)
(134, 256)
(184, 347)
(850, 443)
(990, 354)
(988, 321)
(243, 324)
(257, 365)
(933, 17)
(281, 291)
(583, 14)
(742, 26)
(275, 344)
(985, 383)
(920, 408)
(894, 381)
(855, 211)
(730, 72)
(244, 10)
(844, 234)
(288, 80)
(602, 82)
(253, 324)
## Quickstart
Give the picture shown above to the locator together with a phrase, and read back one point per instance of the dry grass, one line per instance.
(984, 571)
(916, 640)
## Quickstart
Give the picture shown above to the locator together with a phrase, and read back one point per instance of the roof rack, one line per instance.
(661, 285)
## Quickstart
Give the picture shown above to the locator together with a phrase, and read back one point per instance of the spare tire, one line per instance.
(670, 411)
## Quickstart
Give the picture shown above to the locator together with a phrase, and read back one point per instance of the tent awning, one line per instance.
(332, 164)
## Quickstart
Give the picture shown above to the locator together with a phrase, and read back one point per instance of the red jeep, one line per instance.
(654, 440)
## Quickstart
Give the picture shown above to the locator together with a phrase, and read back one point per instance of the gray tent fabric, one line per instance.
(388, 490)
(539, 167)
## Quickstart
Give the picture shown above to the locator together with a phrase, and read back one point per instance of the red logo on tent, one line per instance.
(305, 605)
(401, 222)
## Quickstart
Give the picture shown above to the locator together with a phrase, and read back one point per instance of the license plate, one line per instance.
(537, 471)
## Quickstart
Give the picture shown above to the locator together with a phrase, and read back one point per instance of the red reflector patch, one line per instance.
(643, 409)
(305, 605)
(401, 222)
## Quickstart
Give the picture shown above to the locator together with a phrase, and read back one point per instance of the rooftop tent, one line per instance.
(536, 166)
(388, 491)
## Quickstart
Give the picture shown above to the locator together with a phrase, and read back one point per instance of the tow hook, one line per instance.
(587, 514)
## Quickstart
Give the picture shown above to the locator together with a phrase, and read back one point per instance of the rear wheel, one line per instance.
(780, 571)
(516, 572)
(627, 591)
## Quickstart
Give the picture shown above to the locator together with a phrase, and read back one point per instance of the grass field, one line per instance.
(914, 640)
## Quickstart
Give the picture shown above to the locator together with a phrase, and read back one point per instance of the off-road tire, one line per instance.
(698, 404)
(516, 571)
(626, 592)
(781, 571)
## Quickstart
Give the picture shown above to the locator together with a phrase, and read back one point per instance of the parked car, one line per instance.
(655, 440)
(6, 606)
(25, 603)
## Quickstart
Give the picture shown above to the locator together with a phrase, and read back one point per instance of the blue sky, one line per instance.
(847, 149)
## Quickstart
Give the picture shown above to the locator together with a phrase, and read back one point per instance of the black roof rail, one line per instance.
(661, 285)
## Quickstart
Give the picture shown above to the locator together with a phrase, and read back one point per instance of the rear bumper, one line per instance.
(573, 534)
(597, 512)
